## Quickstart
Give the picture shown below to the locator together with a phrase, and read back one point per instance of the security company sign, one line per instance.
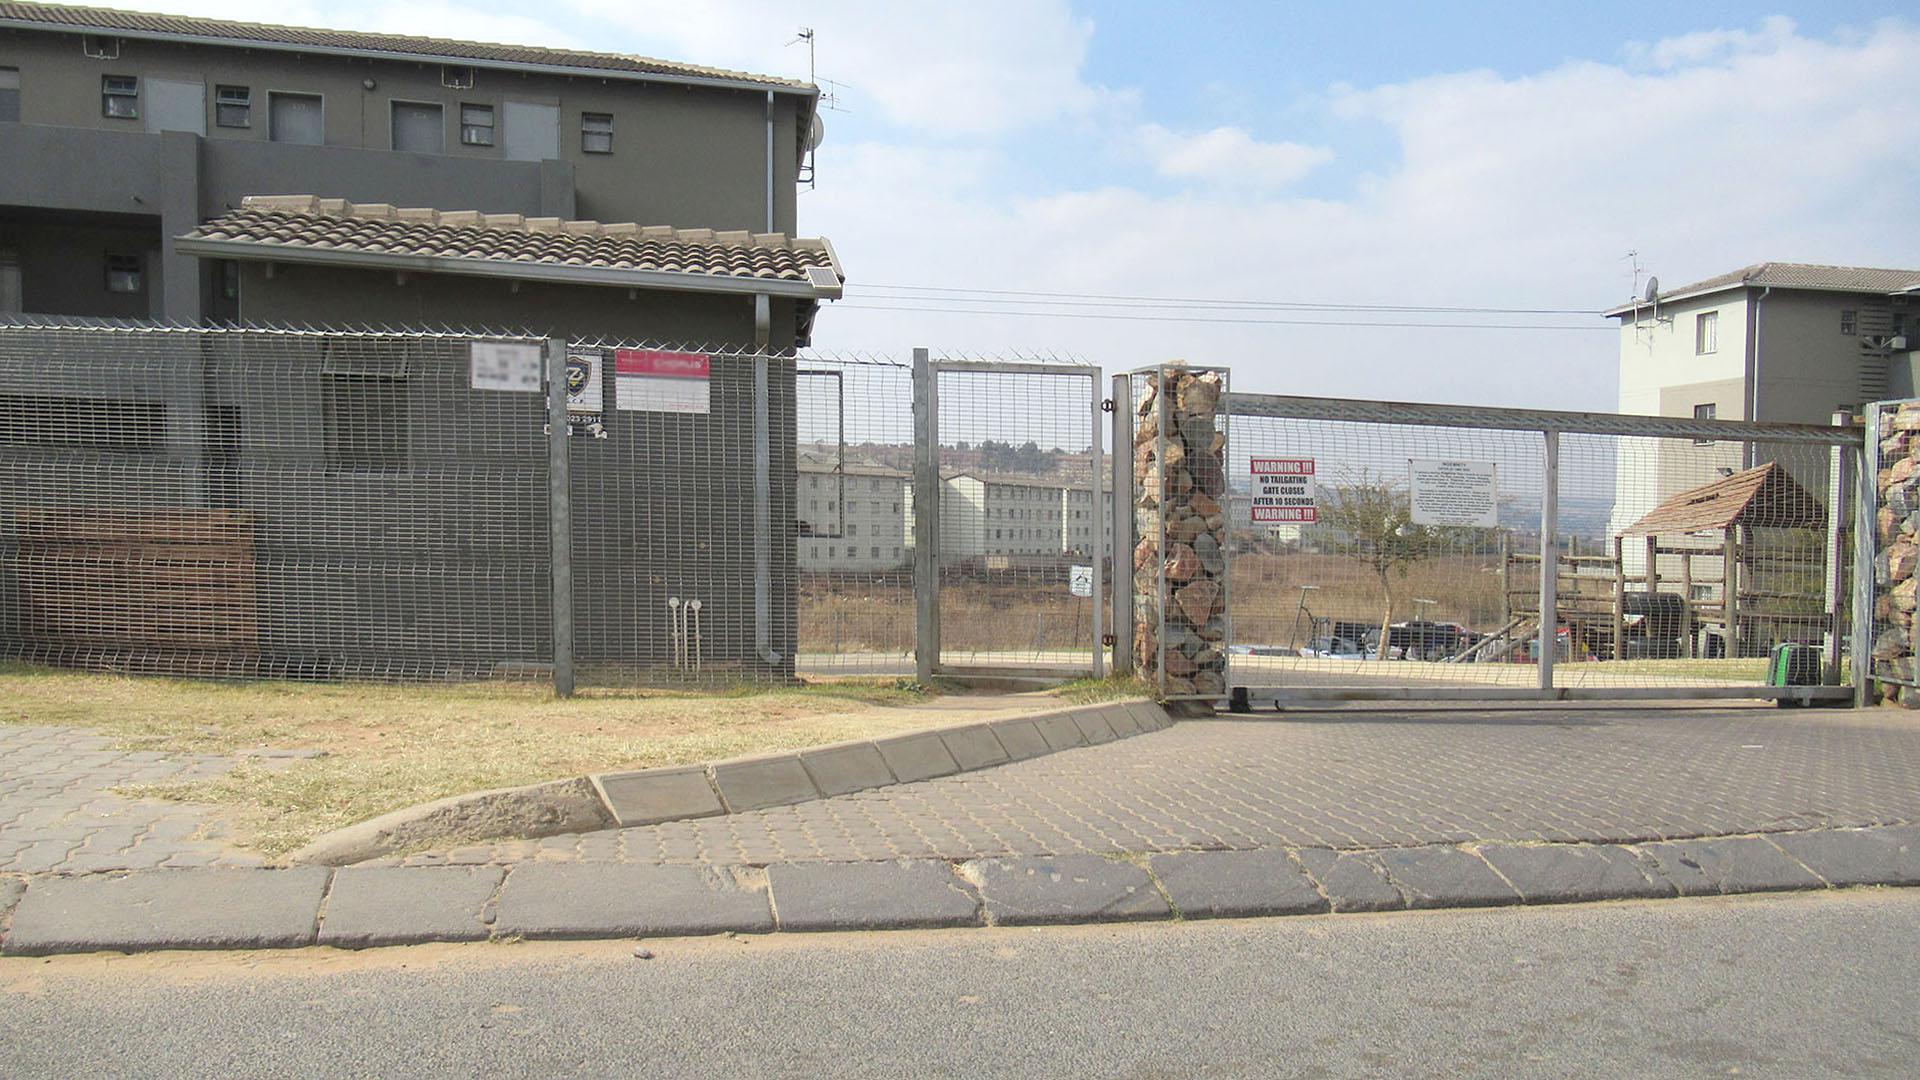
(646, 380)
(1283, 490)
(584, 396)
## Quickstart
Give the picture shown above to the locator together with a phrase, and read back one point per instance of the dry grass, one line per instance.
(853, 616)
(393, 746)
(1096, 691)
(1267, 593)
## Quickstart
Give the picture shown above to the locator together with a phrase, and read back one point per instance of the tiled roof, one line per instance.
(1784, 275)
(138, 24)
(1762, 496)
(288, 227)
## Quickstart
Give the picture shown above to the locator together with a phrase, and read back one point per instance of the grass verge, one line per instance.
(1095, 691)
(389, 747)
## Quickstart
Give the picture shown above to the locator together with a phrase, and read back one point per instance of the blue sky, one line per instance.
(1459, 155)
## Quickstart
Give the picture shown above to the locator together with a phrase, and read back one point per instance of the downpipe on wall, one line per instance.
(762, 486)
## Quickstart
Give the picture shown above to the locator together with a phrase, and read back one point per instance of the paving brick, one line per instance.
(168, 909)
(871, 896)
(1236, 884)
(600, 900)
(1065, 889)
(757, 783)
(399, 905)
(974, 747)
(838, 770)
(917, 757)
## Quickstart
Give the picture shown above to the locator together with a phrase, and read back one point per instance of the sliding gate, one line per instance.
(1381, 550)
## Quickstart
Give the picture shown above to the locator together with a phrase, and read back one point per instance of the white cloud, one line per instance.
(1228, 155)
(1708, 45)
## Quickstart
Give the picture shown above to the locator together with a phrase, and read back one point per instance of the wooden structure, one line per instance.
(1700, 546)
(161, 589)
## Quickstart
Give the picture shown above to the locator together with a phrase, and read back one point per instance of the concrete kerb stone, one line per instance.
(1575, 873)
(1121, 720)
(1446, 877)
(168, 909)
(1093, 725)
(1731, 864)
(391, 905)
(650, 796)
(612, 900)
(10, 890)
(1021, 739)
(847, 767)
(759, 782)
(974, 747)
(1235, 884)
(1886, 856)
(1351, 880)
(1060, 731)
(920, 756)
(560, 806)
(871, 896)
(1040, 890)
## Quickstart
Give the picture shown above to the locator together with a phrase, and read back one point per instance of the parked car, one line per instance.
(1332, 648)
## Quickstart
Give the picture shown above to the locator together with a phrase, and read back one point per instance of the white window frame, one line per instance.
(1706, 333)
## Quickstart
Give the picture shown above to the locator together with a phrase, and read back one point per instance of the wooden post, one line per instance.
(1730, 588)
(1506, 574)
(1619, 598)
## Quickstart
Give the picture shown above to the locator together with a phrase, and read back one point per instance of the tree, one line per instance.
(1377, 519)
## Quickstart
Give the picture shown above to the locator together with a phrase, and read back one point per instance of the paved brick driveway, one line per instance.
(1343, 778)
(57, 813)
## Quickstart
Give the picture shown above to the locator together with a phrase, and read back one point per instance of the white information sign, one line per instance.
(1454, 493)
(499, 365)
(1283, 491)
(1080, 580)
(647, 380)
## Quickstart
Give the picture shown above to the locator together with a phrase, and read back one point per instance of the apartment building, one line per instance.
(852, 518)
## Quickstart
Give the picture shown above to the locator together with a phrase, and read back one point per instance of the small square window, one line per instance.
(1706, 333)
(232, 106)
(120, 97)
(1706, 411)
(596, 133)
(476, 125)
(124, 274)
(1849, 323)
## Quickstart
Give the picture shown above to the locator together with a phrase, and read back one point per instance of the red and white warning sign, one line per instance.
(1283, 490)
(646, 380)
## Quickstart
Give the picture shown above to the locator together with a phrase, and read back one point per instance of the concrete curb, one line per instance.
(359, 907)
(733, 786)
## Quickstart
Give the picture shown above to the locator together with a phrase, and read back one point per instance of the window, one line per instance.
(1706, 411)
(853, 529)
(596, 132)
(232, 106)
(9, 94)
(876, 553)
(124, 274)
(1849, 322)
(229, 279)
(1706, 333)
(368, 423)
(476, 125)
(418, 128)
(295, 118)
(120, 97)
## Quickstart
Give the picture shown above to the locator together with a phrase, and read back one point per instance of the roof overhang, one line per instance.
(810, 93)
(503, 269)
(1694, 294)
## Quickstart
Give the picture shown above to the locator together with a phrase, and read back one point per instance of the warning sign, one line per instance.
(501, 365)
(1283, 490)
(1454, 493)
(1080, 580)
(645, 380)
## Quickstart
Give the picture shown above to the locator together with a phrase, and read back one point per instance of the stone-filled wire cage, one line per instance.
(1182, 628)
(1894, 428)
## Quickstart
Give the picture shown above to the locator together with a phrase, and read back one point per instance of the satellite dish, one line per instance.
(1653, 289)
(817, 134)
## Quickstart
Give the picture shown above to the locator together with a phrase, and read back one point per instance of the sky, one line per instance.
(1300, 169)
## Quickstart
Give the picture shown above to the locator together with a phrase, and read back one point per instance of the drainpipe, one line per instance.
(769, 161)
(762, 487)
(1753, 370)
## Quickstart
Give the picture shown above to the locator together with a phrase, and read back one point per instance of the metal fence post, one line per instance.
(1837, 470)
(926, 517)
(762, 516)
(559, 517)
(1865, 512)
(1549, 557)
(1121, 525)
(1100, 544)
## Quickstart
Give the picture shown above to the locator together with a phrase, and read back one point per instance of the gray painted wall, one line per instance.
(683, 155)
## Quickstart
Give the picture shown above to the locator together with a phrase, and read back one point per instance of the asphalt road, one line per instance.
(1802, 985)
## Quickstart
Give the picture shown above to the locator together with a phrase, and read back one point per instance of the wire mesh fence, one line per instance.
(1678, 561)
(1894, 453)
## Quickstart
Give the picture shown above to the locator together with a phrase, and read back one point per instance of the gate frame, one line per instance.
(926, 514)
(1851, 443)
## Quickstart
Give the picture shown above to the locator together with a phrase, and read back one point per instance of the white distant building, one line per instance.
(1080, 523)
(852, 517)
(999, 515)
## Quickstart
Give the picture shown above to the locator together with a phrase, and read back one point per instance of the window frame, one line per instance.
(491, 127)
(110, 93)
(586, 143)
(1712, 413)
(138, 271)
(1706, 333)
(1850, 322)
(243, 102)
(302, 94)
(5, 71)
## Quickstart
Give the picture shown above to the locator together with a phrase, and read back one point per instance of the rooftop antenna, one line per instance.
(817, 131)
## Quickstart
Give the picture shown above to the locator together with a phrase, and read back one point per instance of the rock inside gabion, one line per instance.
(1180, 569)
(1897, 551)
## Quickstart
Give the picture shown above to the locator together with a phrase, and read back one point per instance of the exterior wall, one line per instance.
(1807, 367)
(1079, 524)
(682, 155)
(1022, 519)
(307, 295)
(63, 266)
(865, 532)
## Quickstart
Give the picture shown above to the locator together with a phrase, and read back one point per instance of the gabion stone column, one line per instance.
(1179, 563)
(1894, 598)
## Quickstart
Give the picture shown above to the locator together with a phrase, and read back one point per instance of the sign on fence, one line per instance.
(500, 365)
(1462, 493)
(647, 380)
(1080, 580)
(1283, 490)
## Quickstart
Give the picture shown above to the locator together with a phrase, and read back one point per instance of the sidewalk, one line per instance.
(1305, 812)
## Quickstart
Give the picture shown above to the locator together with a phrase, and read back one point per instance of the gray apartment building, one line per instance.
(390, 502)
(577, 192)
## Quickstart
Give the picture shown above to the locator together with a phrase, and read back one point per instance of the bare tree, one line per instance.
(1376, 517)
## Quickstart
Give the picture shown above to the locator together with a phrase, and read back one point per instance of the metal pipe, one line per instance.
(1121, 525)
(762, 510)
(926, 517)
(1549, 556)
(559, 517)
(1100, 544)
(1865, 502)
